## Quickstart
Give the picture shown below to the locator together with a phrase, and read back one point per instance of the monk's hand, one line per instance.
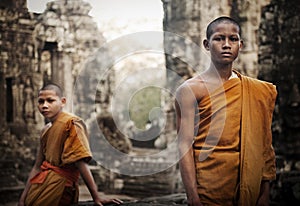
(104, 201)
(263, 201)
(20, 204)
(194, 202)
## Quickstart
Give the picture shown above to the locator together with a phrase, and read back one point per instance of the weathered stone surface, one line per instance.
(74, 37)
(279, 63)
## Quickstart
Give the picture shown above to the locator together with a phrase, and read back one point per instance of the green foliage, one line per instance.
(141, 103)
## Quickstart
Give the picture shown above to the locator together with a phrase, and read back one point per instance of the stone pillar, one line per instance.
(17, 52)
(279, 43)
(17, 108)
(56, 70)
(68, 80)
(247, 13)
(3, 104)
(70, 34)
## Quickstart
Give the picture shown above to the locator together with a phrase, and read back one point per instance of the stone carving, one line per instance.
(115, 137)
(28, 101)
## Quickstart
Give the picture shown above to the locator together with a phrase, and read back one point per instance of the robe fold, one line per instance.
(232, 140)
(217, 144)
(257, 153)
(62, 144)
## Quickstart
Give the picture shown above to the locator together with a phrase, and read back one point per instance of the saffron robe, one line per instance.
(228, 148)
(257, 153)
(62, 144)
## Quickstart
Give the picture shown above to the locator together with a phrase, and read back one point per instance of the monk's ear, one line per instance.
(206, 44)
(241, 44)
(63, 100)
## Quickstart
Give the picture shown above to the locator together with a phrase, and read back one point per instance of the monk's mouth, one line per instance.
(45, 112)
(226, 53)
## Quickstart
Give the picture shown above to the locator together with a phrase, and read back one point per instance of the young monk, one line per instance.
(63, 155)
(224, 127)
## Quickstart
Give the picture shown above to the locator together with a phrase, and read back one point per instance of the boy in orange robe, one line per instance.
(224, 127)
(63, 155)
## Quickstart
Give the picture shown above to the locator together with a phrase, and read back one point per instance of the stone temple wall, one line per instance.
(18, 85)
(278, 57)
(16, 62)
(66, 36)
(35, 49)
(279, 62)
(38, 48)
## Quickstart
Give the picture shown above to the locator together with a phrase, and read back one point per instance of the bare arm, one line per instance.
(185, 112)
(90, 183)
(263, 199)
(35, 170)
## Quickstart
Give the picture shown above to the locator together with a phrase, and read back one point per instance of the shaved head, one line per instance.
(54, 87)
(222, 19)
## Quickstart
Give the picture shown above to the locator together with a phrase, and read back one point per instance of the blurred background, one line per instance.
(119, 63)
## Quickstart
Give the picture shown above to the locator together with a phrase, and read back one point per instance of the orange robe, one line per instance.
(257, 153)
(64, 143)
(222, 136)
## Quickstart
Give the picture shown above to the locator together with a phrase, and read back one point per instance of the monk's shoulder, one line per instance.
(194, 86)
(68, 120)
(261, 84)
(261, 88)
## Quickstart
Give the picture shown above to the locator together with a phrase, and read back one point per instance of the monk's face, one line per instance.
(50, 104)
(224, 44)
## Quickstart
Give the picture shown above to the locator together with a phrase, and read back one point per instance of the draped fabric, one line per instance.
(233, 142)
(62, 144)
(66, 141)
(216, 145)
(257, 153)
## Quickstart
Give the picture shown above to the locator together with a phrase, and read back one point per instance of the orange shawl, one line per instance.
(257, 154)
(233, 144)
(216, 145)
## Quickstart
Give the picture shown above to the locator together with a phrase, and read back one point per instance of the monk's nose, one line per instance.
(226, 43)
(45, 105)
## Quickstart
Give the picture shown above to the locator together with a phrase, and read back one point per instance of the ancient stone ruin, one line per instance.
(63, 44)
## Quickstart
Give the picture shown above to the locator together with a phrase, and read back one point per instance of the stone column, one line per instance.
(3, 104)
(67, 78)
(248, 14)
(279, 63)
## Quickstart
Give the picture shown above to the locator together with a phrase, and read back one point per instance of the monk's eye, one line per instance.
(234, 39)
(41, 101)
(218, 38)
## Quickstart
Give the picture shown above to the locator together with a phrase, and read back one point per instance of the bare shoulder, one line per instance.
(194, 87)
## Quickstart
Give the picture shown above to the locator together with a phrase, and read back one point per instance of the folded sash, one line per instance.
(71, 174)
